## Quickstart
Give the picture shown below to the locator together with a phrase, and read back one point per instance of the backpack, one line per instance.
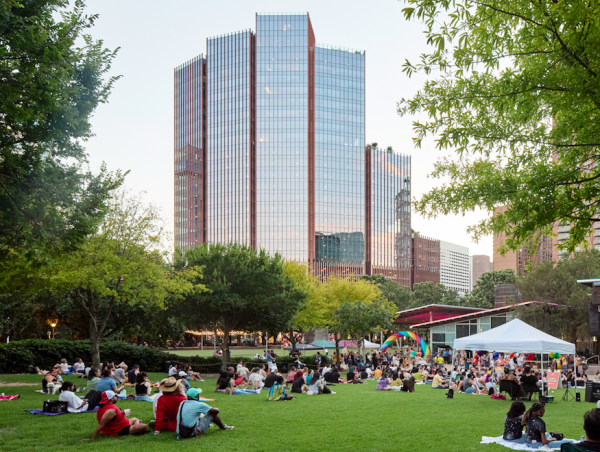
(185, 431)
(276, 392)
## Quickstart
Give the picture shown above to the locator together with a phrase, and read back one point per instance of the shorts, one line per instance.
(124, 431)
(203, 424)
(470, 391)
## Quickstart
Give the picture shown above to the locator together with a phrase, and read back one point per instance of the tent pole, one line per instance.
(574, 362)
(542, 361)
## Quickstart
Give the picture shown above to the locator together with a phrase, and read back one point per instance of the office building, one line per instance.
(388, 214)
(455, 267)
(480, 264)
(527, 255)
(425, 260)
(270, 152)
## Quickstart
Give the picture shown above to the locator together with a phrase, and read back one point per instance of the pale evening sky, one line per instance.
(134, 130)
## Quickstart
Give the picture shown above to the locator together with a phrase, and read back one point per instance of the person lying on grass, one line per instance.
(113, 422)
(74, 403)
(191, 414)
(536, 429)
(513, 424)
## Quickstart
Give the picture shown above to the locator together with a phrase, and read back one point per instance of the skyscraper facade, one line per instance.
(455, 267)
(425, 265)
(270, 151)
(480, 264)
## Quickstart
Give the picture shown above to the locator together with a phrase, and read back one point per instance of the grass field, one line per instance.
(357, 418)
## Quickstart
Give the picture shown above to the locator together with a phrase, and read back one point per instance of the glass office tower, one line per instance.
(283, 146)
(189, 157)
(388, 214)
(230, 150)
(270, 151)
(339, 160)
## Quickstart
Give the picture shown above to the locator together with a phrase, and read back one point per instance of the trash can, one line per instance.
(592, 391)
(167, 366)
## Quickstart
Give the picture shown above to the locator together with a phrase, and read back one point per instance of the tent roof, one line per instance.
(303, 347)
(324, 343)
(432, 312)
(514, 336)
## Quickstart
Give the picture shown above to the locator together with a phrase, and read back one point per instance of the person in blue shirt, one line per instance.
(107, 383)
(191, 411)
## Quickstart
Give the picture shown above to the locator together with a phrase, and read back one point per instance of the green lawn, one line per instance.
(357, 418)
(248, 352)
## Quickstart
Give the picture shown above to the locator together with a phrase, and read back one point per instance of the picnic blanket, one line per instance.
(511, 445)
(40, 411)
(9, 397)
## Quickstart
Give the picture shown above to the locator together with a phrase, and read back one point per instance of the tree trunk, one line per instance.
(225, 348)
(95, 346)
(337, 351)
(293, 341)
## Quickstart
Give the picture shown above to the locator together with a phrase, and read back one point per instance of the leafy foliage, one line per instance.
(556, 283)
(52, 80)
(428, 292)
(517, 100)
(483, 294)
(391, 291)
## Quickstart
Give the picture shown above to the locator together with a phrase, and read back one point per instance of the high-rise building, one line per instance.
(480, 264)
(455, 267)
(270, 151)
(425, 260)
(388, 196)
(525, 256)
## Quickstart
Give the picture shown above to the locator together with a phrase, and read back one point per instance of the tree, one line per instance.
(52, 78)
(247, 290)
(121, 264)
(484, 294)
(428, 292)
(391, 291)
(358, 319)
(564, 307)
(517, 99)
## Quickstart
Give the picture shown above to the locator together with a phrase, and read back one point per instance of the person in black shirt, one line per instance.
(299, 386)
(513, 424)
(528, 378)
(536, 428)
(591, 425)
(271, 379)
(363, 374)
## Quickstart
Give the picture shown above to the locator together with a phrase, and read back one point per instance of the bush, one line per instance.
(21, 356)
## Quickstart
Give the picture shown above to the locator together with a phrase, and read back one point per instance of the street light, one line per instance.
(53, 325)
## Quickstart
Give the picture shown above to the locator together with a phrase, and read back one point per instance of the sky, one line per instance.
(134, 130)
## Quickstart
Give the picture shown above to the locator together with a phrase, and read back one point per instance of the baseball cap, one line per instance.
(106, 396)
(192, 393)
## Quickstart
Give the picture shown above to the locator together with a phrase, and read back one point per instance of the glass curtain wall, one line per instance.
(282, 130)
(390, 215)
(339, 161)
(230, 156)
(189, 160)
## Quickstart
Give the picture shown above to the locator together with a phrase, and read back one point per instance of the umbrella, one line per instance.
(324, 343)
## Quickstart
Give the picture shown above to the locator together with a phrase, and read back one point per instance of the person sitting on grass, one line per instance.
(396, 381)
(377, 373)
(167, 404)
(112, 421)
(272, 378)
(513, 424)
(536, 429)
(194, 376)
(469, 385)
(74, 403)
(351, 378)
(50, 382)
(143, 386)
(458, 385)
(383, 383)
(93, 379)
(182, 375)
(256, 382)
(64, 367)
(191, 412)
(364, 374)
(120, 374)
(299, 385)
(79, 367)
(438, 381)
(222, 382)
(591, 425)
(317, 386)
(107, 383)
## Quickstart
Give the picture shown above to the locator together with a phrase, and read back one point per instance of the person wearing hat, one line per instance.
(192, 410)
(167, 404)
(182, 375)
(112, 421)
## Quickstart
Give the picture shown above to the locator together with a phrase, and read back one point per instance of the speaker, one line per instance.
(578, 397)
(450, 394)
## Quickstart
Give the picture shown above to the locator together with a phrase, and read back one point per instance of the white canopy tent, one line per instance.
(515, 336)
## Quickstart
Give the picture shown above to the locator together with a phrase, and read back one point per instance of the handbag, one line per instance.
(185, 431)
(55, 406)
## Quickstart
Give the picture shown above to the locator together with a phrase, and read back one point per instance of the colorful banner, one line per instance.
(552, 379)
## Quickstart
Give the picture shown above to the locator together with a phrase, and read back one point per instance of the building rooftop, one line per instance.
(433, 312)
(589, 282)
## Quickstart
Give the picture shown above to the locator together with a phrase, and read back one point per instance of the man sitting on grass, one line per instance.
(191, 412)
(112, 421)
(438, 381)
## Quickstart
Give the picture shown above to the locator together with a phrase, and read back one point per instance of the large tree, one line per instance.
(564, 305)
(52, 78)
(392, 291)
(428, 292)
(514, 92)
(484, 292)
(247, 290)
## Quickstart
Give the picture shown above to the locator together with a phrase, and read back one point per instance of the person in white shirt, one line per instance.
(79, 366)
(520, 361)
(369, 372)
(256, 381)
(64, 367)
(325, 369)
(74, 403)
(173, 371)
(242, 370)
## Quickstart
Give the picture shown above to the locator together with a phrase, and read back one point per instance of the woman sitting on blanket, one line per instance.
(536, 429)
(513, 424)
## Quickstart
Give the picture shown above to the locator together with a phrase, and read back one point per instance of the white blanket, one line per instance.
(511, 445)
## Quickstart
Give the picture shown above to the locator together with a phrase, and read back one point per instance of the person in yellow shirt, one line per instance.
(377, 373)
(438, 381)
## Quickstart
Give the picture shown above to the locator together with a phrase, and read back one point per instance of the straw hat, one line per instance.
(169, 385)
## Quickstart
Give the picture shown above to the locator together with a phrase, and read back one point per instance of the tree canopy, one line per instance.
(391, 291)
(53, 76)
(516, 96)
(484, 293)
(428, 292)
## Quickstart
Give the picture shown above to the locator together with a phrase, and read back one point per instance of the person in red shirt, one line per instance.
(112, 421)
(168, 403)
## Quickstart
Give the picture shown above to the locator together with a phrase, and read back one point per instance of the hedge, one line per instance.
(23, 356)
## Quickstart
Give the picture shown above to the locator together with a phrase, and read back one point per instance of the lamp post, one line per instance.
(53, 325)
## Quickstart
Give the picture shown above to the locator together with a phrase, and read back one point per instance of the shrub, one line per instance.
(21, 356)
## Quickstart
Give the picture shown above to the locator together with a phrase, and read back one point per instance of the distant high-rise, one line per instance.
(270, 151)
(425, 265)
(455, 267)
(480, 264)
